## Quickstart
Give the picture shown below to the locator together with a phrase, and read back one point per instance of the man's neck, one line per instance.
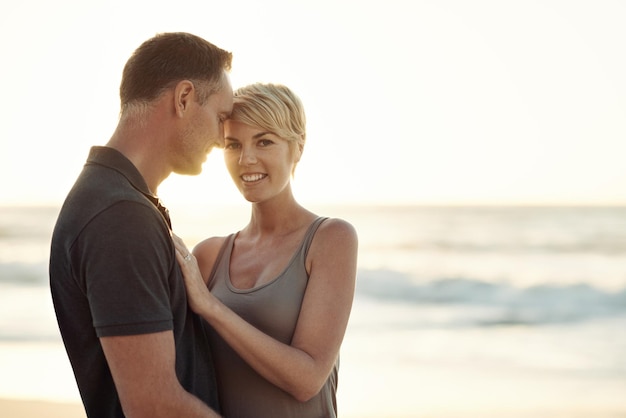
(144, 152)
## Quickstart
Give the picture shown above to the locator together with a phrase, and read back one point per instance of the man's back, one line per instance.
(113, 273)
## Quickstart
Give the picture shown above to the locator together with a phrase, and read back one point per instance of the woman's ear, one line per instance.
(297, 154)
(299, 149)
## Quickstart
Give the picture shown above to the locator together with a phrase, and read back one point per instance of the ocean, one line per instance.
(459, 311)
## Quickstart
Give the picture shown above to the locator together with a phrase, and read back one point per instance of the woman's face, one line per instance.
(259, 162)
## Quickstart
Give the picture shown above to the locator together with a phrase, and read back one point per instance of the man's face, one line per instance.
(205, 129)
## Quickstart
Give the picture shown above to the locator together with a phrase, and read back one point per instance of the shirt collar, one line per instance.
(115, 160)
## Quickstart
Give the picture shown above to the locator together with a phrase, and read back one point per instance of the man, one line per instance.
(135, 347)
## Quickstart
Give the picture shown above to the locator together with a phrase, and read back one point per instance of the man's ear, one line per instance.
(183, 95)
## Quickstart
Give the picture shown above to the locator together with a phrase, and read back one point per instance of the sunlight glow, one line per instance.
(413, 102)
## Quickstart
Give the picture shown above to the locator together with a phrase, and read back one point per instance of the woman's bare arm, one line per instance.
(302, 367)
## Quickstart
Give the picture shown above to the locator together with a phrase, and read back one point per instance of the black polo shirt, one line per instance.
(113, 271)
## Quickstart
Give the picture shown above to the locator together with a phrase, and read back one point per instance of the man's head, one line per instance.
(174, 94)
(167, 58)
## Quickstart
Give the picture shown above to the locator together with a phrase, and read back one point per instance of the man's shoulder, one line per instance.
(97, 192)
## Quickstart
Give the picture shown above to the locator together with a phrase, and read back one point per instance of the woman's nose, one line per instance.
(248, 157)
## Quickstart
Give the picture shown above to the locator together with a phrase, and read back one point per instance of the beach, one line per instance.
(459, 312)
(12, 408)
(400, 373)
(38, 409)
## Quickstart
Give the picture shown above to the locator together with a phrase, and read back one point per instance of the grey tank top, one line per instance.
(273, 308)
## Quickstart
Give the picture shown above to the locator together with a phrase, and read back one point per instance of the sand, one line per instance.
(11, 408)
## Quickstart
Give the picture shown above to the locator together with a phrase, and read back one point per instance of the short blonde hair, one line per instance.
(272, 107)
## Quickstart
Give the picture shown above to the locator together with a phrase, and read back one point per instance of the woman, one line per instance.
(281, 289)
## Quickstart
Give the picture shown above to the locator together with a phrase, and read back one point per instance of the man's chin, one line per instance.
(189, 171)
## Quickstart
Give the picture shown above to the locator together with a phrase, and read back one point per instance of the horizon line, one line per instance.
(382, 203)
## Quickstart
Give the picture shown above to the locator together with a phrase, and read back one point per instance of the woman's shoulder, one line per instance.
(209, 245)
(207, 253)
(336, 230)
(334, 249)
(337, 226)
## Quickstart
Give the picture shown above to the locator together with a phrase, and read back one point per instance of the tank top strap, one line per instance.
(310, 233)
(221, 262)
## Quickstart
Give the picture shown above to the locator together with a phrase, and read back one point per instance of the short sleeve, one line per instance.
(126, 261)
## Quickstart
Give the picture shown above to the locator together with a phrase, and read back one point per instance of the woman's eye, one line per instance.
(265, 142)
(231, 145)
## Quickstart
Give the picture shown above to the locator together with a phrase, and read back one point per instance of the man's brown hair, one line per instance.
(167, 58)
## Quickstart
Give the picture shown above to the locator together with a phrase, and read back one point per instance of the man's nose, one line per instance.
(220, 139)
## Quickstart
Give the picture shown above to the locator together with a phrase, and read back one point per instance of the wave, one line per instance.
(613, 246)
(24, 274)
(490, 304)
(443, 302)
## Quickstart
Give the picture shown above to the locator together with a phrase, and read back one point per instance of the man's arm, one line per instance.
(143, 368)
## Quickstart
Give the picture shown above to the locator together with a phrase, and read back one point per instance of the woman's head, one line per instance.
(272, 107)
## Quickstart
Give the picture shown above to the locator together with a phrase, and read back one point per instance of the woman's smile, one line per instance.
(251, 178)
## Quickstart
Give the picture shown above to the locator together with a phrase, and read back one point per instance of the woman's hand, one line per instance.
(197, 292)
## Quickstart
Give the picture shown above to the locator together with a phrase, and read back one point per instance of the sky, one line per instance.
(408, 102)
